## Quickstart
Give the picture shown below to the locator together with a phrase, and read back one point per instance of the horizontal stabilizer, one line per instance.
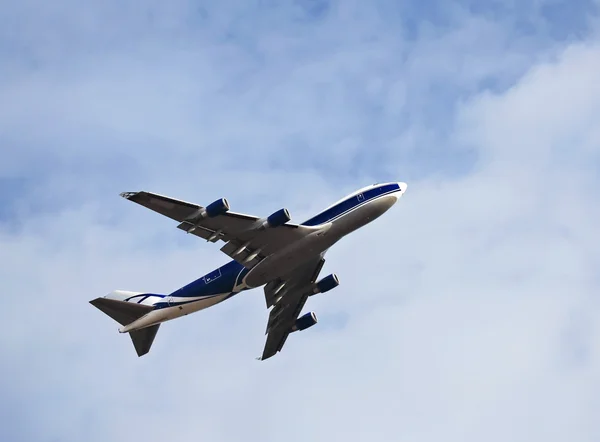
(121, 311)
(143, 339)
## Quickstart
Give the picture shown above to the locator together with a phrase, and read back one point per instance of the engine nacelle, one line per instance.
(305, 321)
(219, 207)
(279, 218)
(326, 284)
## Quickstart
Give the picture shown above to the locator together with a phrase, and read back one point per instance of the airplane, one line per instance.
(283, 257)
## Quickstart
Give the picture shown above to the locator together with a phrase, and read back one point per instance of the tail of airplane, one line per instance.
(124, 308)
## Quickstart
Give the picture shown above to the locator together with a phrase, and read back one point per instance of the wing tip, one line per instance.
(128, 195)
(267, 354)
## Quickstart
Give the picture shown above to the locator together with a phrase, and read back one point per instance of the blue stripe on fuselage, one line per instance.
(218, 282)
(351, 203)
(206, 286)
(142, 297)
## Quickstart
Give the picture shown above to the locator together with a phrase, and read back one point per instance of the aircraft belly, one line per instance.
(364, 214)
(152, 318)
(282, 263)
(175, 311)
(201, 304)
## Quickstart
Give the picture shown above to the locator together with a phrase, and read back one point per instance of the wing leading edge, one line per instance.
(288, 297)
(246, 239)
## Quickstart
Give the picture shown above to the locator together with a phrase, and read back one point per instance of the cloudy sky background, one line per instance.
(469, 312)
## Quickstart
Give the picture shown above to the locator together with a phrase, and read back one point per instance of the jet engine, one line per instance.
(278, 218)
(219, 207)
(216, 208)
(305, 321)
(326, 284)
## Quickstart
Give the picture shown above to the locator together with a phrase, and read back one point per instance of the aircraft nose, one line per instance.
(402, 186)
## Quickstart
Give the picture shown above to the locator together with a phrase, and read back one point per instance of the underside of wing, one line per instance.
(288, 297)
(248, 239)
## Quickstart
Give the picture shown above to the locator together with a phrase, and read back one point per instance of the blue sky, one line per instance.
(469, 312)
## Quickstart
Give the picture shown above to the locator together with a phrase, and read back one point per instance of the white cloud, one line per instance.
(468, 312)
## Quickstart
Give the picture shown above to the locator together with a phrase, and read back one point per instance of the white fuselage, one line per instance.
(286, 260)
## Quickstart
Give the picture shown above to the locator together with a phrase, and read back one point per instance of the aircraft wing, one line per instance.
(288, 303)
(245, 240)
